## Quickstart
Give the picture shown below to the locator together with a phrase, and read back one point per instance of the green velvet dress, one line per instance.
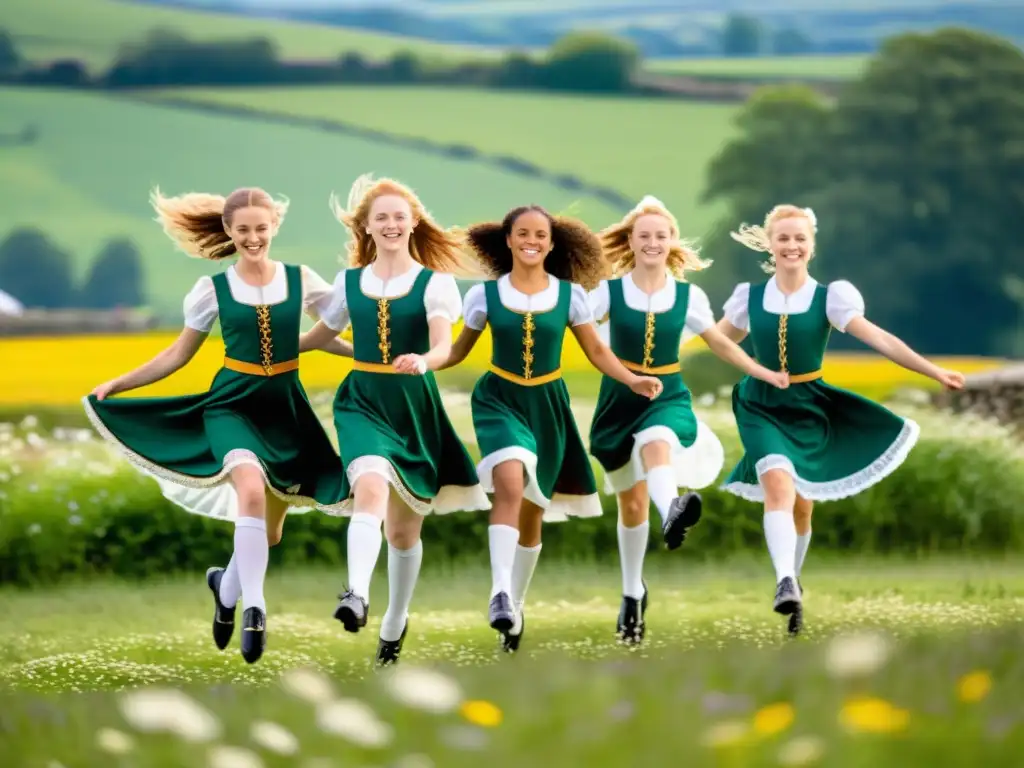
(521, 409)
(394, 424)
(255, 413)
(624, 422)
(834, 443)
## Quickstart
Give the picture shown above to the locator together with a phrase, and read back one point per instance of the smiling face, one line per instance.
(251, 229)
(390, 223)
(792, 243)
(651, 240)
(530, 238)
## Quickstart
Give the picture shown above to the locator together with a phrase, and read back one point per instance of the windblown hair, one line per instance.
(434, 247)
(760, 238)
(575, 254)
(683, 255)
(197, 221)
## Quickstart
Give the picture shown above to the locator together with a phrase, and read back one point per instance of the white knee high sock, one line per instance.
(632, 548)
(230, 586)
(363, 549)
(803, 542)
(252, 554)
(503, 540)
(780, 534)
(522, 572)
(403, 572)
(662, 488)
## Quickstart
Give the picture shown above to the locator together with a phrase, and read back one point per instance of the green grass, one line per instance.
(94, 30)
(714, 657)
(88, 178)
(635, 146)
(839, 67)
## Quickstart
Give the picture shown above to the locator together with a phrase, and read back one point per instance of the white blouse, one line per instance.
(699, 317)
(200, 305)
(474, 308)
(441, 298)
(843, 303)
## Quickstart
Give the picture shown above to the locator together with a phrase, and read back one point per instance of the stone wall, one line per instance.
(66, 322)
(997, 394)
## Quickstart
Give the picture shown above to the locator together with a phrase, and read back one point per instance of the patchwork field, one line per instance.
(838, 67)
(88, 175)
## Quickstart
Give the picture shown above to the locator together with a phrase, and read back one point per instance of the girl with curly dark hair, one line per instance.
(533, 459)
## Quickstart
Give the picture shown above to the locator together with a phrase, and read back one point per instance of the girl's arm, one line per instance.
(896, 350)
(730, 331)
(172, 359)
(440, 349)
(461, 348)
(323, 337)
(602, 358)
(729, 351)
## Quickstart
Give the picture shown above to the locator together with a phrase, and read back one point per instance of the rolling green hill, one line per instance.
(87, 178)
(634, 146)
(839, 67)
(94, 30)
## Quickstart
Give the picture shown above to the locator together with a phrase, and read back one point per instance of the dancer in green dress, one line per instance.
(650, 449)
(533, 458)
(250, 447)
(403, 458)
(811, 442)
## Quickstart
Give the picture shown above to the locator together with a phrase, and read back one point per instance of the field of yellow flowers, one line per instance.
(58, 371)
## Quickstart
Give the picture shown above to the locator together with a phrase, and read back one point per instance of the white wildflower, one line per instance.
(113, 741)
(800, 751)
(308, 684)
(857, 654)
(162, 709)
(233, 757)
(425, 689)
(355, 721)
(274, 737)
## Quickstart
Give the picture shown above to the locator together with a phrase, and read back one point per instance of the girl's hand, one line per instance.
(950, 379)
(647, 386)
(411, 364)
(108, 388)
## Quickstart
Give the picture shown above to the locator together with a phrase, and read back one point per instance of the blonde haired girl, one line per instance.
(404, 459)
(533, 458)
(650, 449)
(251, 446)
(812, 442)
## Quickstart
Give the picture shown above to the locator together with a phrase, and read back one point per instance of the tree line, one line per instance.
(916, 174)
(40, 274)
(579, 61)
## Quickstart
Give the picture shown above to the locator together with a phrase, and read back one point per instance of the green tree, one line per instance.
(917, 177)
(590, 61)
(35, 271)
(117, 278)
(791, 42)
(742, 35)
(10, 59)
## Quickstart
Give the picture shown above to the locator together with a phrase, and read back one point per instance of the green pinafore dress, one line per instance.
(256, 412)
(834, 443)
(647, 343)
(521, 409)
(394, 424)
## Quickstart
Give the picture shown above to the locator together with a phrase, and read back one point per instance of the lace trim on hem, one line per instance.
(188, 481)
(448, 496)
(851, 485)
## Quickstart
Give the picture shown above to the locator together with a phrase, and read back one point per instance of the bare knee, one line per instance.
(531, 518)
(251, 492)
(656, 454)
(634, 506)
(779, 491)
(802, 515)
(508, 493)
(371, 494)
(403, 525)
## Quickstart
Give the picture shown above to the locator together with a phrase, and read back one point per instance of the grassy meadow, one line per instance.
(825, 67)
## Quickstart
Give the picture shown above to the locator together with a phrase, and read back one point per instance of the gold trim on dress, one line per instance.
(266, 338)
(803, 378)
(648, 342)
(383, 331)
(534, 381)
(359, 365)
(783, 338)
(253, 369)
(528, 328)
(652, 370)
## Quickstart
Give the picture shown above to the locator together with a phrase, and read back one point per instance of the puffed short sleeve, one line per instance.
(200, 305)
(843, 302)
(442, 298)
(736, 309)
(474, 308)
(317, 293)
(699, 317)
(579, 307)
(335, 315)
(600, 302)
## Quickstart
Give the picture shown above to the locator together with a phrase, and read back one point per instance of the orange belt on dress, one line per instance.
(533, 381)
(255, 369)
(655, 370)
